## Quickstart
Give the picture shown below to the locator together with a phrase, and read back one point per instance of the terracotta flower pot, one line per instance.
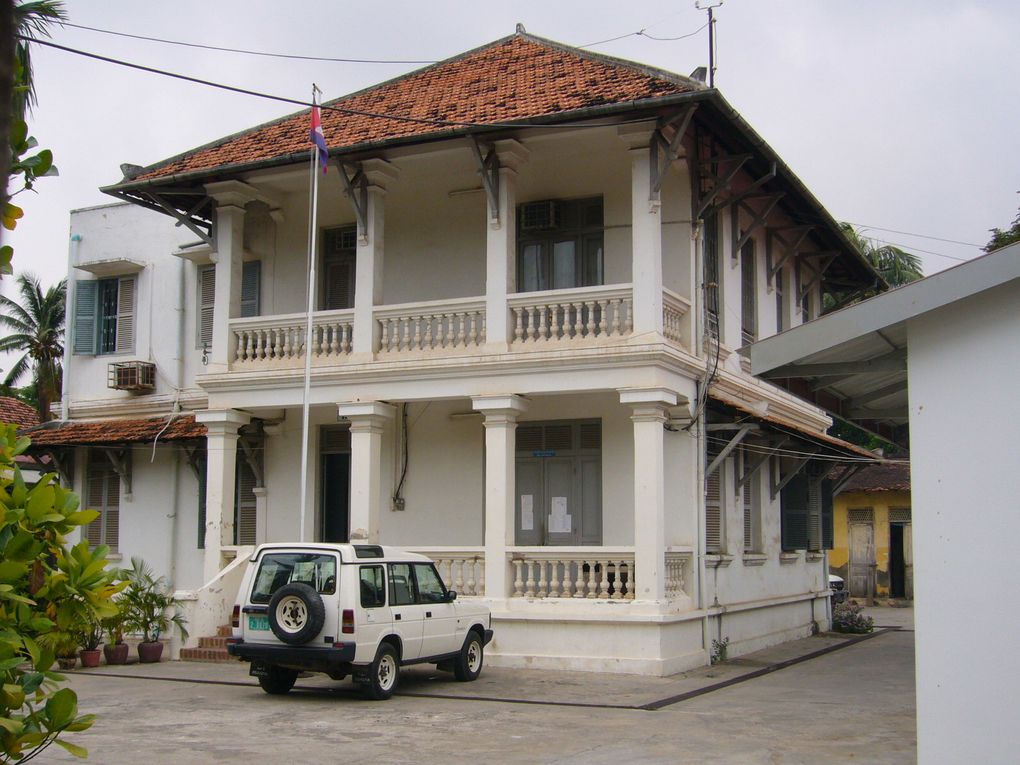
(116, 654)
(149, 653)
(89, 658)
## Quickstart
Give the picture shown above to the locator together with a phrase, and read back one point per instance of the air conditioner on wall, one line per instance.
(536, 216)
(137, 376)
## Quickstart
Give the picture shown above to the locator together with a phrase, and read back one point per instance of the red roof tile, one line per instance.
(17, 412)
(115, 431)
(889, 476)
(517, 78)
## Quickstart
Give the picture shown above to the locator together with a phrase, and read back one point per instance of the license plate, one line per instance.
(258, 669)
(258, 622)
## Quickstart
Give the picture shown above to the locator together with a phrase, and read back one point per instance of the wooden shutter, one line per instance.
(94, 500)
(748, 294)
(206, 300)
(251, 274)
(338, 289)
(713, 504)
(747, 497)
(793, 502)
(126, 314)
(827, 533)
(102, 493)
(246, 515)
(85, 305)
(111, 525)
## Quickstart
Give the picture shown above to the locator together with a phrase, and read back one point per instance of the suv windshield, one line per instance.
(317, 570)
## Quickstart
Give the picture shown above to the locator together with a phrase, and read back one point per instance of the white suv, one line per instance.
(359, 610)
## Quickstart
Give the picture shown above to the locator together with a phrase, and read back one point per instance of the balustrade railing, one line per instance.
(282, 338)
(431, 326)
(575, 314)
(678, 574)
(461, 570)
(600, 573)
(674, 309)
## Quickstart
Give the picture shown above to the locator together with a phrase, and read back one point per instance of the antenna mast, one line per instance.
(710, 7)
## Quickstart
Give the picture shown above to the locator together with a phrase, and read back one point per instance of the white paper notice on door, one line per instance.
(559, 519)
(527, 512)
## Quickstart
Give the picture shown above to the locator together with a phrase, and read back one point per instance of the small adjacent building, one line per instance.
(872, 546)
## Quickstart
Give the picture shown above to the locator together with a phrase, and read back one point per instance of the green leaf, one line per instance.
(14, 727)
(82, 517)
(19, 132)
(61, 708)
(77, 751)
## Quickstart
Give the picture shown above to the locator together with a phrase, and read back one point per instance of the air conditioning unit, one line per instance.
(138, 376)
(536, 216)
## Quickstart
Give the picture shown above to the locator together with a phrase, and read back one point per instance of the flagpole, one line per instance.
(312, 241)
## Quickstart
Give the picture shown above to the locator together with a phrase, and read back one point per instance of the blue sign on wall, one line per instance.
(544, 453)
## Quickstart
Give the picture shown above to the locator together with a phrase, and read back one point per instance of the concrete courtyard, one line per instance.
(823, 699)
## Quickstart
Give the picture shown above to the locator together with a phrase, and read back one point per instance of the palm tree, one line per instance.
(37, 325)
(31, 19)
(897, 267)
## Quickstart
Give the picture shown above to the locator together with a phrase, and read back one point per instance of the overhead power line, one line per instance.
(248, 51)
(911, 233)
(643, 33)
(308, 104)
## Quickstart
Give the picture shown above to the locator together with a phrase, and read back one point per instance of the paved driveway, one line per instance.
(853, 704)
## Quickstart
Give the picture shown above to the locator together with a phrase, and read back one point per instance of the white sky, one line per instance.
(901, 115)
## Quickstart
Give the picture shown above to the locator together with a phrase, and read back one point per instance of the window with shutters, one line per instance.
(102, 494)
(339, 264)
(748, 294)
(750, 500)
(245, 503)
(251, 294)
(712, 285)
(793, 510)
(559, 244)
(713, 502)
(777, 281)
(104, 316)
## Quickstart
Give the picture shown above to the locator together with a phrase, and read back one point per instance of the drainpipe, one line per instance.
(175, 486)
(65, 385)
(700, 306)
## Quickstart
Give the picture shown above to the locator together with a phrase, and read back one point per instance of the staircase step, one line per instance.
(206, 654)
(212, 642)
(224, 631)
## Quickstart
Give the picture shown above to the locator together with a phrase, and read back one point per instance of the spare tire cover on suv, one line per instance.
(296, 613)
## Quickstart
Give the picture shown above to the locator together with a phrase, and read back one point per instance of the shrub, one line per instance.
(847, 617)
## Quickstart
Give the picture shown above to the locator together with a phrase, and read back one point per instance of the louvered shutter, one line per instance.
(126, 314)
(203, 471)
(591, 435)
(251, 274)
(335, 439)
(245, 515)
(827, 534)
(94, 500)
(529, 438)
(339, 282)
(111, 526)
(794, 513)
(748, 294)
(85, 304)
(748, 501)
(713, 513)
(206, 301)
(559, 437)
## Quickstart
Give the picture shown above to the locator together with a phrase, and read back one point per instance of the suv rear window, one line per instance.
(317, 570)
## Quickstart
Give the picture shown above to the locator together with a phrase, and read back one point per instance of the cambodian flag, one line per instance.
(319, 139)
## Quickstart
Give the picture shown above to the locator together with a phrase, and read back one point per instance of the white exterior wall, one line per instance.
(967, 681)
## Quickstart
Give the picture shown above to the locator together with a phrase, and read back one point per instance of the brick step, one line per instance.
(212, 642)
(224, 631)
(206, 654)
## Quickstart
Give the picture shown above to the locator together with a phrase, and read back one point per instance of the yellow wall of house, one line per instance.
(880, 502)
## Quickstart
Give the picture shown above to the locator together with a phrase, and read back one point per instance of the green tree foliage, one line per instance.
(896, 267)
(36, 327)
(32, 20)
(46, 590)
(1001, 238)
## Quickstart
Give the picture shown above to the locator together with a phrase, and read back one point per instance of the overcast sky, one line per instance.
(900, 115)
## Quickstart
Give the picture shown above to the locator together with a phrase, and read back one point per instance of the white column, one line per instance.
(649, 413)
(501, 413)
(646, 232)
(221, 464)
(368, 275)
(368, 423)
(501, 247)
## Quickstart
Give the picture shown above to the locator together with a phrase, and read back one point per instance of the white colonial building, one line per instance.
(534, 273)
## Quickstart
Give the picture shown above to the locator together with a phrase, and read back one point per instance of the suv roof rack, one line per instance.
(368, 551)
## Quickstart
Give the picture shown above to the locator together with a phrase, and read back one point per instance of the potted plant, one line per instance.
(149, 599)
(89, 637)
(115, 649)
(65, 647)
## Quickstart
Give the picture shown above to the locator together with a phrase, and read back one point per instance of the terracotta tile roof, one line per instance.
(516, 78)
(114, 431)
(18, 412)
(889, 476)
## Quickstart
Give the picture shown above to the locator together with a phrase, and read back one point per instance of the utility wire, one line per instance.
(911, 233)
(643, 33)
(246, 51)
(323, 107)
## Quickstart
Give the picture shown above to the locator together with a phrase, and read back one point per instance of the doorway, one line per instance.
(862, 553)
(901, 569)
(335, 484)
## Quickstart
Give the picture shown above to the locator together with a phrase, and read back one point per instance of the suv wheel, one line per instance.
(468, 666)
(296, 613)
(278, 681)
(383, 674)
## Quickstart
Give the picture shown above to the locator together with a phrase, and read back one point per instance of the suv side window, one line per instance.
(402, 589)
(373, 587)
(430, 587)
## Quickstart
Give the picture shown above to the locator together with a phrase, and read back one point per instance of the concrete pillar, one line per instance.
(368, 276)
(649, 412)
(646, 232)
(501, 247)
(368, 423)
(221, 467)
(501, 413)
